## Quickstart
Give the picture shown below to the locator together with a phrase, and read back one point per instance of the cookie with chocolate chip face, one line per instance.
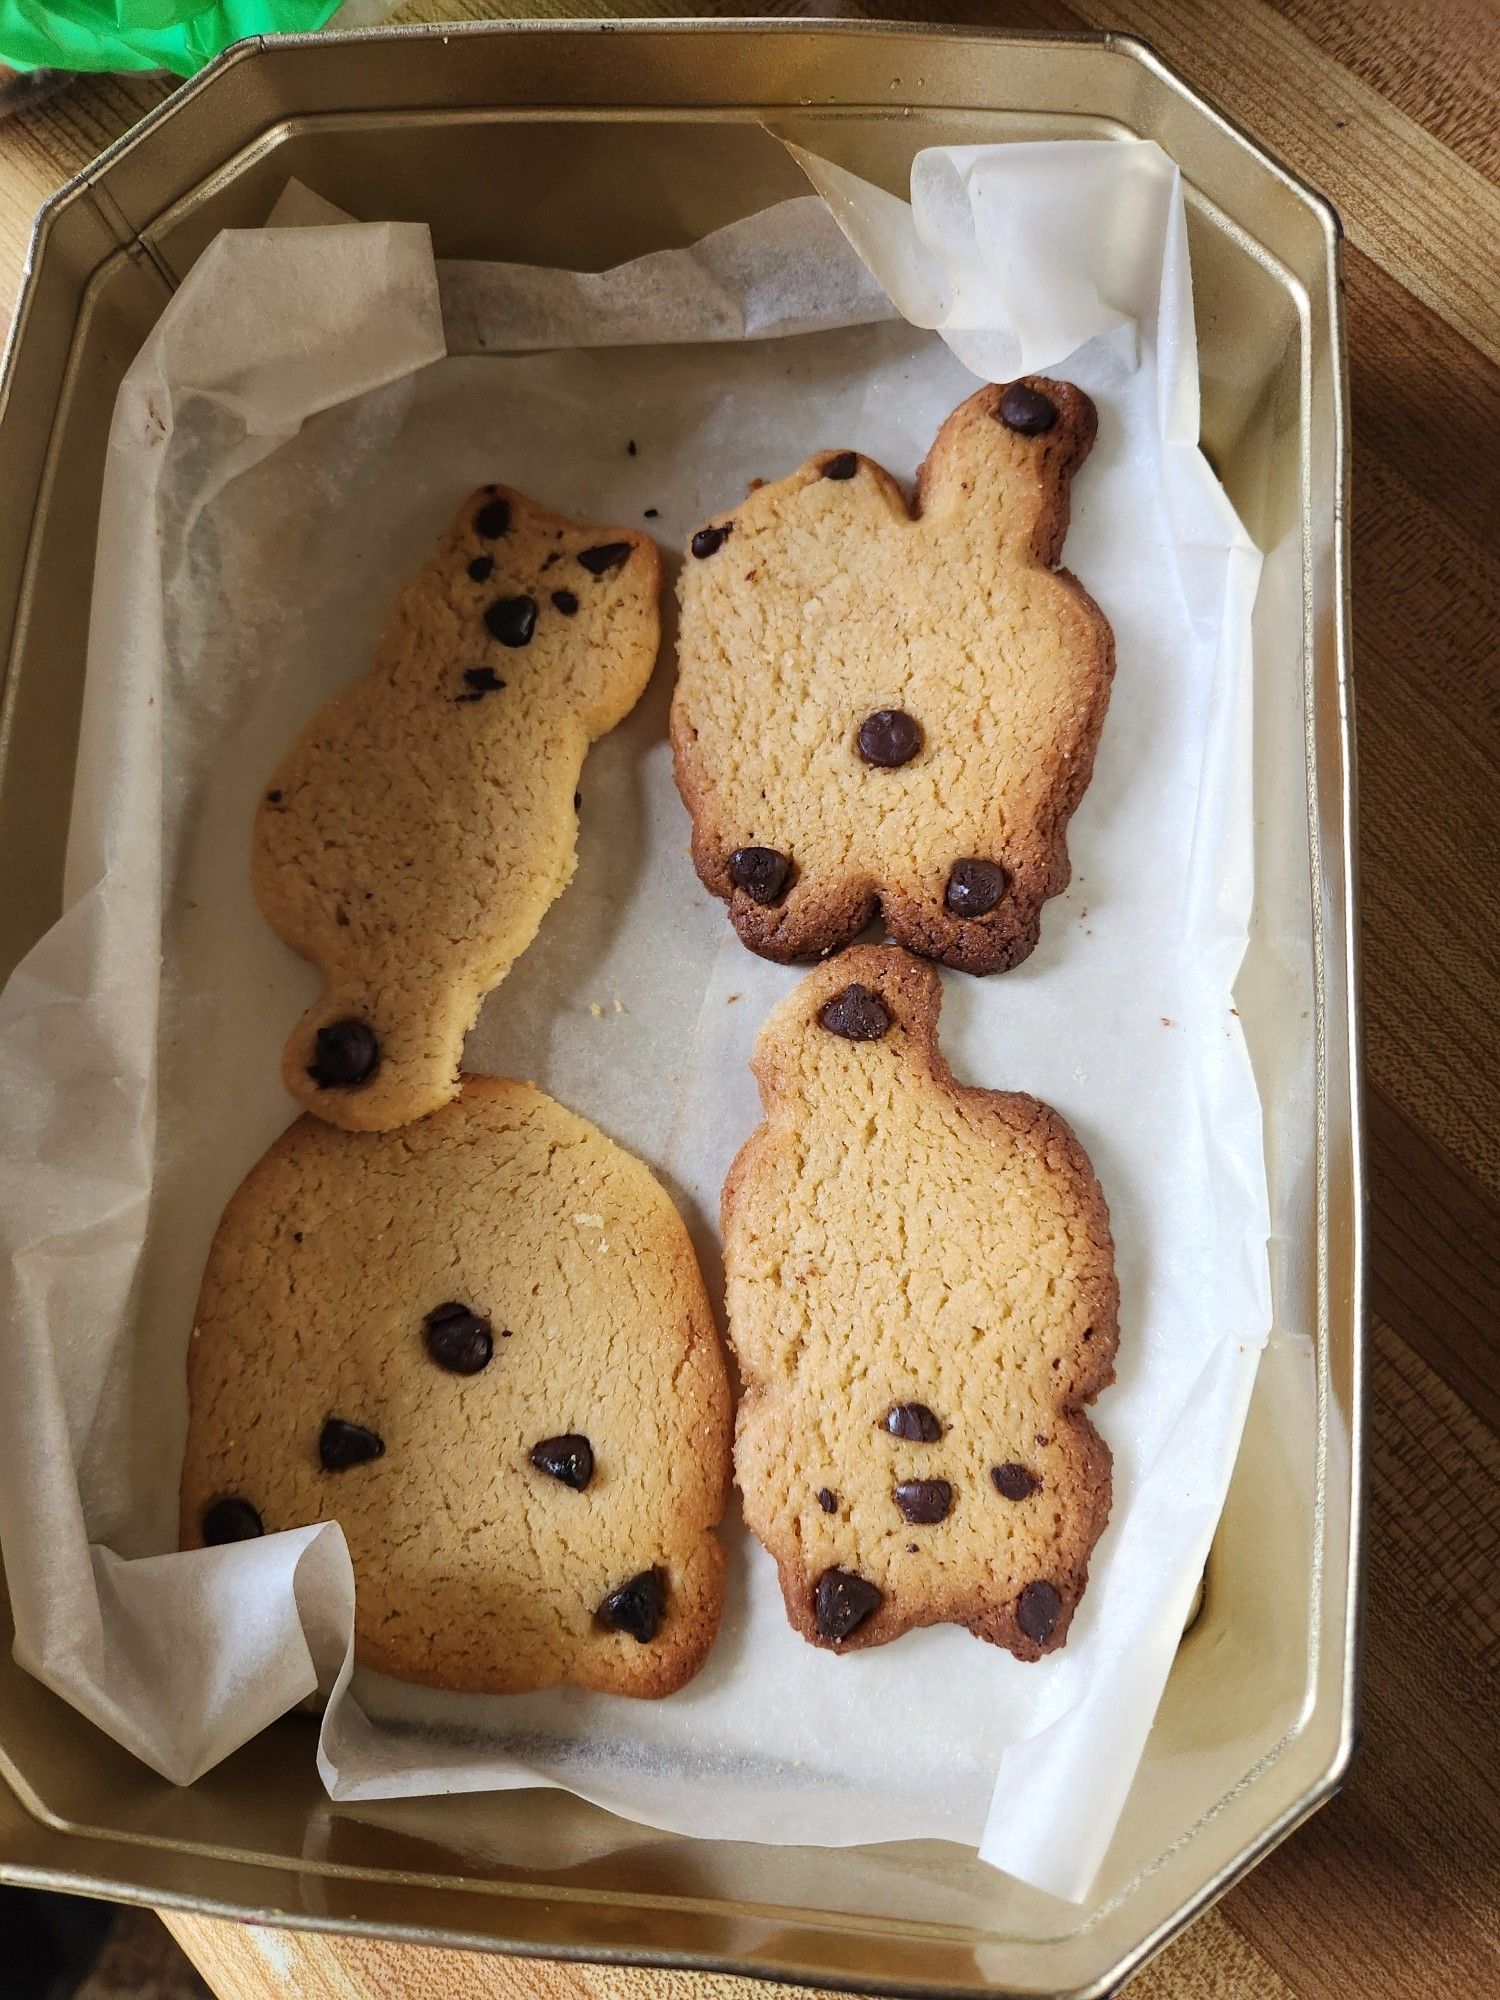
(482, 1345)
(890, 710)
(921, 1297)
(411, 840)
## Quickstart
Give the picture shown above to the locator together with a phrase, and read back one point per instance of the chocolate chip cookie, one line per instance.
(885, 710)
(412, 839)
(482, 1345)
(921, 1298)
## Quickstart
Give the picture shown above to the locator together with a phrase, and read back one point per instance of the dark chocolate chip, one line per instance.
(578, 802)
(481, 681)
(231, 1520)
(481, 567)
(709, 541)
(1027, 410)
(345, 1053)
(636, 1607)
(890, 737)
(914, 1422)
(1014, 1482)
(843, 465)
(975, 886)
(296, 1235)
(607, 556)
(458, 1338)
(630, 447)
(828, 1500)
(1037, 1610)
(273, 798)
(569, 1458)
(911, 1548)
(493, 520)
(842, 1602)
(762, 872)
(923, 1501)
(565, 602)
(652, 513)
(342, 1444)
(857, 1014)
(512, 620)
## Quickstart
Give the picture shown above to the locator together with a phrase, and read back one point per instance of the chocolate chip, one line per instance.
(762, 872)
(1027, 410)
(493, 519)
(914, 1422)
(512, 620)
(458, 1338)
(607, 556)
(273, 798)
(828, 1500)
(843, 465)
(630, 447)
(636, 1607)
(569, 1458)
(890, 737)
(923, 1501)
(709, 541)
(1037, 1611)
(975, 886)
(345, 1053)
(578, 802)
(342, 1444)
(481, 681)
(481, 567)
(1014, 1482)
(652, 512)
(857, 1014)
(565, 602)
(230, 1520)
(842, 1602)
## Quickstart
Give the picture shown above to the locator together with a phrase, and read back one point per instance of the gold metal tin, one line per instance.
(586, 143)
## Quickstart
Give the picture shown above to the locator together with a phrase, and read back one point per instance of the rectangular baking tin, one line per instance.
(586, 143)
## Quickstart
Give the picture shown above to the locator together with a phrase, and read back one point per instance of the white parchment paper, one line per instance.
(292, 438)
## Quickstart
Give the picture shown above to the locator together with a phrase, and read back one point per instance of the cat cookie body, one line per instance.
(921, 1297)
(483, 1346)
(876, 710)
(412, 839)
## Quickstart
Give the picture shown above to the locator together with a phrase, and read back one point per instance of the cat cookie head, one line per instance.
(849, 1022)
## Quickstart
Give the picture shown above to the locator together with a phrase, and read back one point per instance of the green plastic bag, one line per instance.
(180, 35)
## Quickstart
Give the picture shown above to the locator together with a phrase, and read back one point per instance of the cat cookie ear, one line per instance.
(1008, 456)
(609, 594)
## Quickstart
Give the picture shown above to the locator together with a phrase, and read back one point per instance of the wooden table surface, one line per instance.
(1392, 108)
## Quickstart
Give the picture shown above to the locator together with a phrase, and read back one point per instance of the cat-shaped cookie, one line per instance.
(921, 1297)
(483, 1346)
(411, 840)
(877, 709)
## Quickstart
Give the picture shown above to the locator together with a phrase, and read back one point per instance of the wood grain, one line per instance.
(1393, 110)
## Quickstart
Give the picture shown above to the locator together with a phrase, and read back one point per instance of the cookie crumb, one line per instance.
(595, 1009)
(1167, 1021)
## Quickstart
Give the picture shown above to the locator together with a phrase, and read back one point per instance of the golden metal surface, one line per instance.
(629, 139)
